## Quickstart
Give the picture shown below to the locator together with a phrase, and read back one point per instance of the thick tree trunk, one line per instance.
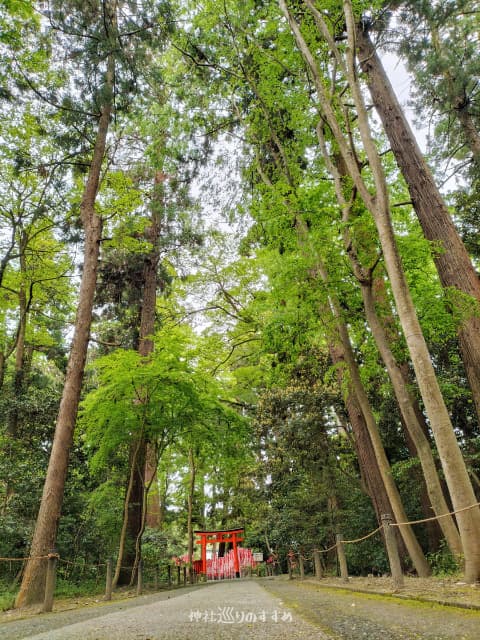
(45, 534)
(191, 497)
(405, 404)
(147, 329)
(145, 457)
(403, 397)
(339, 336)
(369, 468)
(377, 202)
(460, 487)
(453, 263)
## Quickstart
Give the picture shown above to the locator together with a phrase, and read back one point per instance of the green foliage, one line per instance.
(443, 563)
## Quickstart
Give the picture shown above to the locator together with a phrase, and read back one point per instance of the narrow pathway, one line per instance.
(224, 610)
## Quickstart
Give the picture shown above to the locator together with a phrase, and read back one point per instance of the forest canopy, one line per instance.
(236, 291)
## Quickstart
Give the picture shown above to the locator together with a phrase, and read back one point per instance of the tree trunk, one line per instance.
(146, 458)
(377, 202)
(369, 469)
(18, 378)
(340, 336)
(403, 397)
(191, 497)
(422, 445)
(147, 329)
(411, 542)
(453, 263)
(122, 572)
(45, 534)
(454, 467)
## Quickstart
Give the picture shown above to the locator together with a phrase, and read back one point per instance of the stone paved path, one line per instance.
(237, 610)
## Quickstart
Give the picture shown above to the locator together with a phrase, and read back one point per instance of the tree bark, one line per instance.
(402, 395)
(147, 329)
(452, 261)
(145, 457)
(191, 497)
(377, 202)
(45, 534)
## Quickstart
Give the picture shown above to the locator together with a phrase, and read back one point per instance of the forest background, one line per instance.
(233, 293)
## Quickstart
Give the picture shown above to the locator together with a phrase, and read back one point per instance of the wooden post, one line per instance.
(139, 577)
(155, 577)
(290, 570)
(169, 573)
(301, 566)
(392, 552)
(108, 580)
(50, 581)
(184, 576)
(342, 560)
(178, 575)
(318, 564)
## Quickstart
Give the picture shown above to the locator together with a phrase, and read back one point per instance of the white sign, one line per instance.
(258, 557)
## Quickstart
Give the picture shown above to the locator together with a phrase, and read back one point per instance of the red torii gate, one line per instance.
(212, 537)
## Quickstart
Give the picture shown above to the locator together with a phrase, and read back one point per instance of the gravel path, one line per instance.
(226, 610)
(354, 616)
(272, 609)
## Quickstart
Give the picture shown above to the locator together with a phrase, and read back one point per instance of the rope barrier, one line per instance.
(308, 558)
(23, 559)
(369, 535)
(82, 564)
(326, 550)
(444, 515)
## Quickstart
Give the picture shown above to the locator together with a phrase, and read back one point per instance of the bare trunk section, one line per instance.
(147, 329)
(409, 538)
(377, 202)
(191, 497)
(145, 458)
(452, 260)
(18, 377)
(124, 531)
(369, 468)
(422, 445)
(45, 534)
(404, 399)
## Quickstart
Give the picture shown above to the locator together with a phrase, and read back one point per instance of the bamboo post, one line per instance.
(342, 560)
(108, 580)
(392, 552)
(301, 566)
(318, 564)
(139, 577)
(50, 581)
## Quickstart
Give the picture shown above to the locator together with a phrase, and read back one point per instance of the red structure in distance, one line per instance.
(213, 537)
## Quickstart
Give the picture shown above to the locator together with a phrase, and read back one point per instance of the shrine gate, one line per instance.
(233, 536)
